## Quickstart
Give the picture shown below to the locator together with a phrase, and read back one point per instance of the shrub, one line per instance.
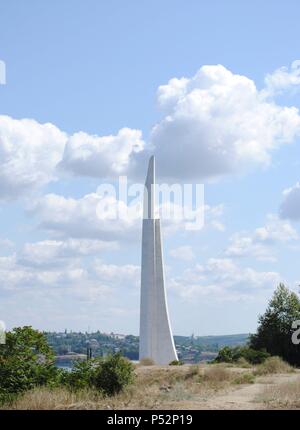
(273, 365)
(244, 378)
(233, 355)
(81, 375)
(242, 362)
(113, 374)
(176, 363)
(225, 355)
(253, 356)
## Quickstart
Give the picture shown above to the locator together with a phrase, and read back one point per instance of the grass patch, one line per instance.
(217, 374)
(273, 365)
(285, 395)
(192, 371)
(244, 378)
(243, 363)
(146, 362)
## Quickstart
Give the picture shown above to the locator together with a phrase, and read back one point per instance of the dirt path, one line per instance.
(241, 397)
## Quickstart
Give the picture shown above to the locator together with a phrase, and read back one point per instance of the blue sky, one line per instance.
(99, 67)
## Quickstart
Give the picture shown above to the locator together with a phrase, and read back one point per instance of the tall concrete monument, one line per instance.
(156, 340)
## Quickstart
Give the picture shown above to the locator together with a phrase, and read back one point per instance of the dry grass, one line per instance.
(244, 378)
(146, 362)
(273, 365)
(217, 374)
(243, 363)
(283, 396)
(60, 398)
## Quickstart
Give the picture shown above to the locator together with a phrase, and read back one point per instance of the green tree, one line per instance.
(274, 331)
(26, 360)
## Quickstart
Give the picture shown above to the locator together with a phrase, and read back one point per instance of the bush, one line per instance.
(233, 355)
(81, 375)
(244, 378)
(273, 365)
(113, 374)
(176, 363)
(225, 355)
(242, 362)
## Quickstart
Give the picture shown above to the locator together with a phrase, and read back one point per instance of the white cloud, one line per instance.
(6, 244)
(260, 243)
(225, 280)
(103, 217)
(53, 253)
(283, 79)
(76, 278)
(202, 217)
(184, 253)
(29, 153)
(290, 206)
(101, 156)
(217, 123)
(276, 230)
(127, 274)
(14, 276)
(242, 245)
(79, 218)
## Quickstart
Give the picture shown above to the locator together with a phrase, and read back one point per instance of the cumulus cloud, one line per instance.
(53, 253)
(283, 79)
(102, 216)
(177, 217)
(94, 216)
(184, 253)
(260, 243)
(216, 123)
(224, 279)
(80, 279)
(290, 206)
(14, 276)
(101, 156)
(29, 153)
(127, 274)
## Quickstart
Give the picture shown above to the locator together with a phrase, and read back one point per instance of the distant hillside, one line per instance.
(214, 342)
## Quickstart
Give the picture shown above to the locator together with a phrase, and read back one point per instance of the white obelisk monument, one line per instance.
(156, 340)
